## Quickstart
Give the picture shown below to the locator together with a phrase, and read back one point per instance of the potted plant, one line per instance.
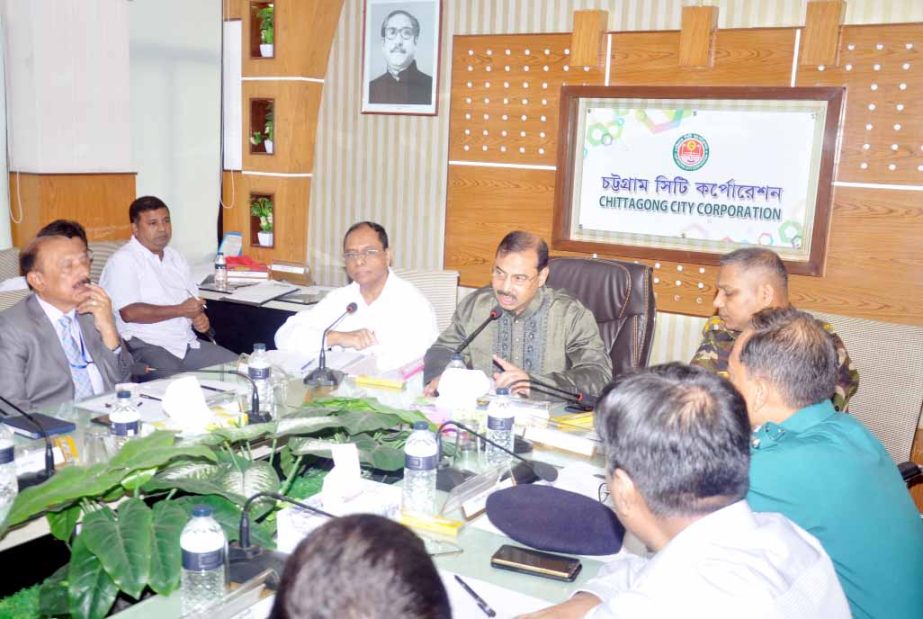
(267, 31)
(264, 137)
(262, 208)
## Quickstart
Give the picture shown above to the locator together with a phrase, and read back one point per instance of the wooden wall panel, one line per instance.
(98, 201)
(296, 107)
(291, 201)
(303, 34)
(754, 57)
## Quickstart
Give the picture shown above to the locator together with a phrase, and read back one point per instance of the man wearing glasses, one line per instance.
(542, 334)
(402, 83)
(393, 320)
(59, 343)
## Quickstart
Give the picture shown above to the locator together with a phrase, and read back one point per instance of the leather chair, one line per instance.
(621, 297)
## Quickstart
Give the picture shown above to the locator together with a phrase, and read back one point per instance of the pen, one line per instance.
(308, 364)
(490, 612)
(210, 388)
(196, 297)
(150, 397)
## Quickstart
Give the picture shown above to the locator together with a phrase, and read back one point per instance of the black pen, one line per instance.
(210, 388)
(150, 397)
(490, 612)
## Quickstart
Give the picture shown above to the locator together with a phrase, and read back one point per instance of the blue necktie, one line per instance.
(82, 386)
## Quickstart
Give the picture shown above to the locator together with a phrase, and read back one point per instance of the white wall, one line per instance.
(175, 64)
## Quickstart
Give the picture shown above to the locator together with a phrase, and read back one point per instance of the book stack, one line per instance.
(244, 270)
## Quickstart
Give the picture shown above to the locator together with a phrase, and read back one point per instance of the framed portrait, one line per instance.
(688, 174)
(400, 56)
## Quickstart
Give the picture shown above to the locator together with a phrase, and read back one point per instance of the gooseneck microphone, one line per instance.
(580, 399)
(541, 470)
(37, 478)
(495, 313)
(322, 376)
(245, 559)
(254, 415)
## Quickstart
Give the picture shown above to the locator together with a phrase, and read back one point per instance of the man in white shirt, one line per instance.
(393, 320)
(677, 442)
(59, 343)
(156, 298)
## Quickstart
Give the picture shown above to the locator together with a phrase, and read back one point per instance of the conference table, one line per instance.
(471, 550)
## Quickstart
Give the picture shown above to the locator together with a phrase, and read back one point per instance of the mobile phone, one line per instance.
(102, 420)
(536, 563)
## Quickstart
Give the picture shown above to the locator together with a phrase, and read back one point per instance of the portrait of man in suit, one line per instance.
(402, 82)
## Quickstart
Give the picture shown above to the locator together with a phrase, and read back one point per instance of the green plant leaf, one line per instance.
(248, 479)
(187, 470)
(227, 514)
(67, 485)
(306, 425)
(123, 546)
(91, 591)
(62, 522)
(386, 458)
(198, 486)
(52, 595)
(138, 478)
(155, 450)
(166, 555)
(306, 445)
(236, 435)
(356, 422)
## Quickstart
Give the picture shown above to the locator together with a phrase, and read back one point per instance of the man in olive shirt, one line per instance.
(824, 469)
(752, 279)
(542, 334)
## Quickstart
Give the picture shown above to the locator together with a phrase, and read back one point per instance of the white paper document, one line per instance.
(505, 602)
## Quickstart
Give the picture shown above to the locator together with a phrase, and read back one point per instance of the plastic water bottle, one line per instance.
(500, 417)
(421, 454)
(8, 485)
(457, 361)
(204, 548)
(221, 272)
(125, 420)
(260, 372)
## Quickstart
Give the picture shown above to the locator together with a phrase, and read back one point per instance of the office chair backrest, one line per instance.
(621, 297)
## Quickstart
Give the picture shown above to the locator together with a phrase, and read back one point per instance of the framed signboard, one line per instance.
(400, 61)
(688, 174)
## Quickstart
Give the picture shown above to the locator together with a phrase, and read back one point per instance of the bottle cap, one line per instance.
(201, 510)
(123, 394)
(456, 356)
(259, 346)
(420, 425)
(503, 391)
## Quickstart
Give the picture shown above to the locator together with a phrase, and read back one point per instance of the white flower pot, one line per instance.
(266, 50)
(265, 238)
(267, 144)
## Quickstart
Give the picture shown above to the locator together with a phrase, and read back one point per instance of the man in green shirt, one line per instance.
(541, 334)
(752, 279)
(824, 469)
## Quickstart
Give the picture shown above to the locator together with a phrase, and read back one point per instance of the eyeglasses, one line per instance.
(84, 260)
(519, 279)
(365, 254)
(406, 33)
(603, 492)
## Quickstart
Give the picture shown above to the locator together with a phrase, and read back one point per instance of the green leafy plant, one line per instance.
(262, 208)
(266, 135)
(135, 548)
(267, 24)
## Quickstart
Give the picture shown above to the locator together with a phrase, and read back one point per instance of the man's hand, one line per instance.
(574, 608)
(201, 323)
(191, 308)
(431, 387)
(96, 302)
(511, 374)
(360, 339)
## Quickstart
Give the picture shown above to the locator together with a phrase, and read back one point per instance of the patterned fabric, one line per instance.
(718, 340)
(530, 349)
(83, 388)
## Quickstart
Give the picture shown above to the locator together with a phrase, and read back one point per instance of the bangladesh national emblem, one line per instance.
(690, 152)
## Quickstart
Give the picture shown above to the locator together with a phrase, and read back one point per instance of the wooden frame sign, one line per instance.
(688, 174)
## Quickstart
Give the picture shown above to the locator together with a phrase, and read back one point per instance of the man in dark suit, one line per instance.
(60, 343)
(402, 83)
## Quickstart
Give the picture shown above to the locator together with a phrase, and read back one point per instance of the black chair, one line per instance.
(621, 297)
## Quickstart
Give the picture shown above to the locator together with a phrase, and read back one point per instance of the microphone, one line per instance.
(34, 479)
(254, 415)
(540, 470)
(322, 376)
(582, 400)
(245, 559)
(495, 313)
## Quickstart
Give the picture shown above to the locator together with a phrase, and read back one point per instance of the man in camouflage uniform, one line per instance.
(752, 279)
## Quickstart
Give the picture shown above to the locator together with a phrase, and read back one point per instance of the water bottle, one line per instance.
(204, 548)
(457, 361)
(421, 454)
(500, 417)
(8, 486)
(221, 272)
(260, 373)
(125, 420)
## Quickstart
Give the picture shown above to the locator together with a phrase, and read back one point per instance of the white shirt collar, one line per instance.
(53, 313)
